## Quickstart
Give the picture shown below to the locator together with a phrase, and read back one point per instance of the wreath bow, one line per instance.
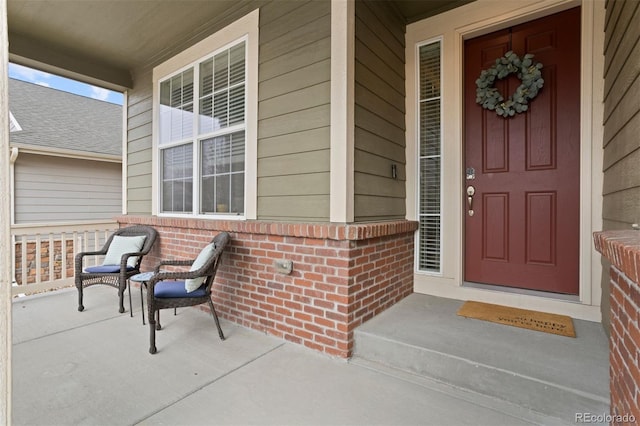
(527, 71)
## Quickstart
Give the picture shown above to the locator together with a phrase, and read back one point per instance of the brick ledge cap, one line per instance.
(622, 249)
(331, 231)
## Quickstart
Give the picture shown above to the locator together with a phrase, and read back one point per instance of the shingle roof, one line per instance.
(53, 118)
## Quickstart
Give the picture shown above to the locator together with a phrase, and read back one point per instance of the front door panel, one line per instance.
(525, 228)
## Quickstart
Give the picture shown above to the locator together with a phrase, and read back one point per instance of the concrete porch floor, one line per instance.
(93, 368)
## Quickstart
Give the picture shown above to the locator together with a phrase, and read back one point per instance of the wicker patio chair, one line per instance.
(167, 290)
(123, 256)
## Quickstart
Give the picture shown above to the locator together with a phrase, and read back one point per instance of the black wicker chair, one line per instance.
(116, 275)
(166, 290)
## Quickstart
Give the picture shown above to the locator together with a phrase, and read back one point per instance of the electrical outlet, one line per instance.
(283, 266)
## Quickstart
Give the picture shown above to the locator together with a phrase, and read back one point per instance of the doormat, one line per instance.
(532, 320)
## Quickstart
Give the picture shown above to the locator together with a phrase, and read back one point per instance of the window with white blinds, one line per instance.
(201, 139)
(430, 158)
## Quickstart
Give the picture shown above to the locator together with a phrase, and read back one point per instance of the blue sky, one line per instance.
(30, 75)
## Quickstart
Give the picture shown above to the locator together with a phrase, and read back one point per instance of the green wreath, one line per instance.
(529, 74)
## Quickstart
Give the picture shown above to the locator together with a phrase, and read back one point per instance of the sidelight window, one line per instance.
(430, 154)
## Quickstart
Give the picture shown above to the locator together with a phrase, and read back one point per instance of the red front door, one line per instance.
(524, 231)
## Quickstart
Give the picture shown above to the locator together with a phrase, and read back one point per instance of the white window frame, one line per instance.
(245, 28)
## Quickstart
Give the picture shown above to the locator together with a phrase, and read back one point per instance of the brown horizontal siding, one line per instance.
(294, 111)
(621, 189)
(54, 189)
(139, 145)
(379, 113)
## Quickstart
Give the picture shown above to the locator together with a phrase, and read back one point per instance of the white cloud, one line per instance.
(29, 74)
(42, 83)
(99, 93)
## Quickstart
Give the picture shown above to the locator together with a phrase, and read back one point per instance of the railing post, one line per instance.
(52, 264)
(38, 258)
(25, 264)
(63, 255)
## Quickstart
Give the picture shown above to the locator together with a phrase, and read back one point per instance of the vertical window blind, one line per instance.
(429, 158)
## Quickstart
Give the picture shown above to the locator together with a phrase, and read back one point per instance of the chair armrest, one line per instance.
(173, 262)
(125, 257)
(90, 253)
(79, 256)
(166, 275)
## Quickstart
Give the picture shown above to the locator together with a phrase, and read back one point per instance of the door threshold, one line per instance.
(523, 291)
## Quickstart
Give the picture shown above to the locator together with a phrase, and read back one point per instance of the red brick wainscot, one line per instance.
(622, 249)
(342, 274)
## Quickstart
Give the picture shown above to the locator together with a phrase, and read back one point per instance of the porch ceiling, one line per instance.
(100, 42)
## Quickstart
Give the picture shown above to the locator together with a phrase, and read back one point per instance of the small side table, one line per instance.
(142, 278)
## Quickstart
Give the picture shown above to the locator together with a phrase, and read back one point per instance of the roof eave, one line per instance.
(67, 153)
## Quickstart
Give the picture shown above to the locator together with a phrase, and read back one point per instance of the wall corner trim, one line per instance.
(341, 205)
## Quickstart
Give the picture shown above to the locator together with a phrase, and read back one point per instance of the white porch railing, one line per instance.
(43, 254)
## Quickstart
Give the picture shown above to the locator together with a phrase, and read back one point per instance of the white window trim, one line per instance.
(247, 28)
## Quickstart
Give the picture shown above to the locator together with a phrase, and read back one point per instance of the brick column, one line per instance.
(342, 275)
(622, 249)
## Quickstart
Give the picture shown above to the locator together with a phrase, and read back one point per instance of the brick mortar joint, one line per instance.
(631, 284)
(329, 231)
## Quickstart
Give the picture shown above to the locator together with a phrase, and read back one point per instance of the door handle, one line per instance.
(470, 193)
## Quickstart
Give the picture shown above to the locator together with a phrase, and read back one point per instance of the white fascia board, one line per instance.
(67, 153)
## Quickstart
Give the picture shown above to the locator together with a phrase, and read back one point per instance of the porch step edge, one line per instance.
(551, 399)
(468, 395)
